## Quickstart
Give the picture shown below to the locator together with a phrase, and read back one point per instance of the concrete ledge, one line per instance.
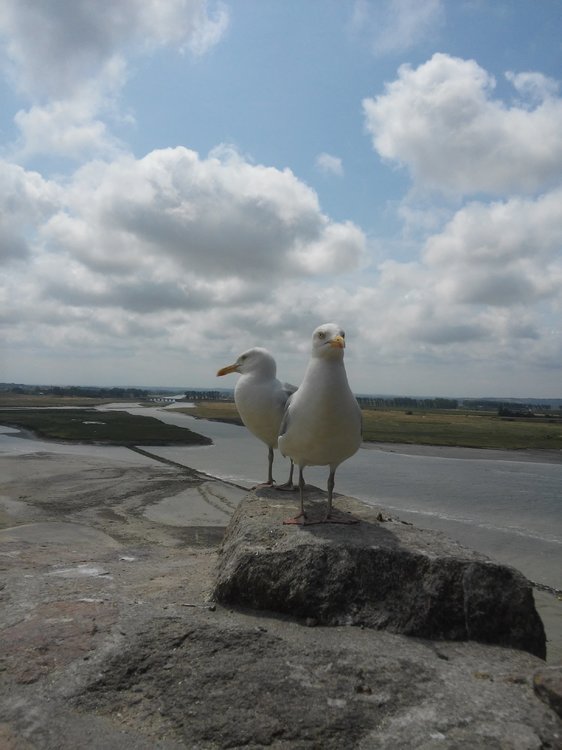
(379, 573)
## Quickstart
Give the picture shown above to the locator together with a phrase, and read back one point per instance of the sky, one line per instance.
(181, 180)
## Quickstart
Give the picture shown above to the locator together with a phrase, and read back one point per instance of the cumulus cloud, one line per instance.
(441, 121)
(52, 47)
(140, 248)
(216, 218)
(26, 199)
(329, 164)
(68, 128)
(397, 25)
(503, 254)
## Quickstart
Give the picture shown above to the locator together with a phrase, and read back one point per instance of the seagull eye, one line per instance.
(342, 334)
(321, 335)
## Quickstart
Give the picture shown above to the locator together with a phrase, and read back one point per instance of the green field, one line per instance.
(459, 428)
(435, 427)
(107, 427)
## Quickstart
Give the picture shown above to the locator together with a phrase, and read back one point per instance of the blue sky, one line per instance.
(185, 179)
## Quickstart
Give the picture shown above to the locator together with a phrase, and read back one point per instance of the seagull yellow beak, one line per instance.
(338, 342)
(226, 370)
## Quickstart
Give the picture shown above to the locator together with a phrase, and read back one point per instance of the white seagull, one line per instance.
(261, 399)
(322, 422)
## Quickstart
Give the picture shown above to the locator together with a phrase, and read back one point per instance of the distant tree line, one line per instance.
(209, 395)
(405, 402)
(506, 408)
(75, 390)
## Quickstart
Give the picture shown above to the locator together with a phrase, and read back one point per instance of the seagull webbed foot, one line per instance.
(300, 520)
(263, 485)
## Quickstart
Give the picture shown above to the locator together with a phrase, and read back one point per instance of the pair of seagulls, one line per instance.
(317, 424)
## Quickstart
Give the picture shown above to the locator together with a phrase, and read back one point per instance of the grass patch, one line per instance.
(108, 427)
(465, 429)
(215, 411)
(8, 399)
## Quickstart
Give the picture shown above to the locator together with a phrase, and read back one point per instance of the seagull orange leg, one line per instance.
(329, 517)
(288, 486)
(270, 481)
(331, 483)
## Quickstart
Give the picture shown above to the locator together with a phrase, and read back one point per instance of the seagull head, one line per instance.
(256, 360)
(328, 341)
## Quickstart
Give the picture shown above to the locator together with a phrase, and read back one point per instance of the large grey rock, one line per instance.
(220, 680)
(381, 574)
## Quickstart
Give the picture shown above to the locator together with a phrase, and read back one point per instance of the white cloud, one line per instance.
(441, 121)
(53, 46)
(215, 218)
(73, 126)
(533, 86)
(329, 164)
(69, 58)
(394, 26)
(26, 199)
(501, 232)
(68, 128)
(504, 254)
(175, 250)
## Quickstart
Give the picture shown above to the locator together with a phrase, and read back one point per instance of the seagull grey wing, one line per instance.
(279, 399)
(284, 426)
(289, 388)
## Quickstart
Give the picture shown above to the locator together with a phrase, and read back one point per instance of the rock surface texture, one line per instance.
(378, 573)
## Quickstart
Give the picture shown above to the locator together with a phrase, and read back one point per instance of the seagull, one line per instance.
(322, 421)
(261, 399)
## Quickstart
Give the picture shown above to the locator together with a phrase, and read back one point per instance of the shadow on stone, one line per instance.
(378, 574)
